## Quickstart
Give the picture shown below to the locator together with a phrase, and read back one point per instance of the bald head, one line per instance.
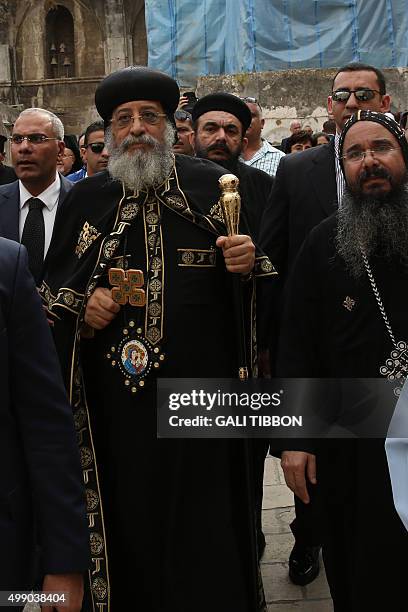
(295, 126)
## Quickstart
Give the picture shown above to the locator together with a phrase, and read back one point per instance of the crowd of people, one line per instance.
(117, 269)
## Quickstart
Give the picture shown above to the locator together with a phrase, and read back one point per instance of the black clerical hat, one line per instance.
(136, 83)
(223, 102)
(383, 119)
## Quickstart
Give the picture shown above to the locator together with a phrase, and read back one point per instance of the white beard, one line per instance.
(141, 169)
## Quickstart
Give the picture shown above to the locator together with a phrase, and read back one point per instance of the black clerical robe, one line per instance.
(178, 524)
(332, 327)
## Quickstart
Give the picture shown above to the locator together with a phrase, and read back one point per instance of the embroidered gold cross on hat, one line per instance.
(127, 287)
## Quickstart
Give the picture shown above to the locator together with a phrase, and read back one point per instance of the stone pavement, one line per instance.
(278, 512)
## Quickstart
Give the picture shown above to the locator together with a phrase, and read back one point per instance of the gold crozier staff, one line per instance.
(230, 202)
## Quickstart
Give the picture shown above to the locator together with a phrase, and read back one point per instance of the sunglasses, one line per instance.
(182, 115)
(251, 100)
(96, 147)
(362, 95)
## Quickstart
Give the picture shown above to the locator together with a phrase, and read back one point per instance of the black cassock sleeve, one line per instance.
(300, 343)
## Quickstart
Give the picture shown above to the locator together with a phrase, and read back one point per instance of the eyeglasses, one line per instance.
(362, 95)
(34, 139)
(96, 147)
(149, 117)
(378, 152)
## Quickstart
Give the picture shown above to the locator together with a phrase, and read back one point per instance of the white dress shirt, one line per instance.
(50, 197)
(396, 447)
(340, 182)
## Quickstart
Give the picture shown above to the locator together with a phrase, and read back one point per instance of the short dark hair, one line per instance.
(317, 135)
(299, 137)
(359, 67)
(96, 126)
(2, 143)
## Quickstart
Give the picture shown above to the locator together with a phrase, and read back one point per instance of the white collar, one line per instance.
(336, 142)
(49, 196)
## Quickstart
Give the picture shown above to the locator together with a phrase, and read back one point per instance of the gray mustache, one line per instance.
(133, 140)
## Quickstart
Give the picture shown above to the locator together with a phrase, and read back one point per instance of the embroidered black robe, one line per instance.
(332, 328)
(178, 514)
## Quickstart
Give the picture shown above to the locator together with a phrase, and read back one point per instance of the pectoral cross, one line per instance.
(396, 366)
(127, 286)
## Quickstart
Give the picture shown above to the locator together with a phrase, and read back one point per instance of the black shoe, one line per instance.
(304, 564)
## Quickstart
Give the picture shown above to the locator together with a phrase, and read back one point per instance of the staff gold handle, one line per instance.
(230, 202)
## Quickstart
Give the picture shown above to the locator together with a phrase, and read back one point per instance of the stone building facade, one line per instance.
(53, 53)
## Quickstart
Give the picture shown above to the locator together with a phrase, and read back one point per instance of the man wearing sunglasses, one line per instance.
(298, 205)
(28, 206)
(307, 188)
(184, 127)
(93, 152)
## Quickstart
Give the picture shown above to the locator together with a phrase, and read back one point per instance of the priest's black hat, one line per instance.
(223, 102)
(136, 83)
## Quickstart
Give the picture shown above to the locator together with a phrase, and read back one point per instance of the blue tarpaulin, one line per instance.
(191, 38)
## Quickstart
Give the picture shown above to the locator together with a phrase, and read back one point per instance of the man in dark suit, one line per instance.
(307, 188)
(41, 494)
(307, 184)
(28, 206)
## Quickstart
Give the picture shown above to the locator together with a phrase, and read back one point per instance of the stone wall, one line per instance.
(71, 99)
(108, 34)
(290, 94)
